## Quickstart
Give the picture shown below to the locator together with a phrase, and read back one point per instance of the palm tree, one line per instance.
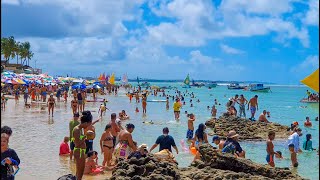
(7, 48)
(25, 52)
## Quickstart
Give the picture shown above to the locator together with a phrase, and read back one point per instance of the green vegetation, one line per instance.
(11, 49)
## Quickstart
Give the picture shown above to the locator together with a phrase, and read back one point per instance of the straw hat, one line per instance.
(232, 134)
(143, 146)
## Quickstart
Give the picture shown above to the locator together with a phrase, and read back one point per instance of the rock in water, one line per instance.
(248, 130)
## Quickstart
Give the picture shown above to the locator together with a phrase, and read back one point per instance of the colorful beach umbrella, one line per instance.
(312, 80)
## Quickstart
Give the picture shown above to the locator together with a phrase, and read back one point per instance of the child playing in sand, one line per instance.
(92, 166)
(293, 156)
(64, 147)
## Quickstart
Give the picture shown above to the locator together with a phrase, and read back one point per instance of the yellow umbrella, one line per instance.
(312, 80)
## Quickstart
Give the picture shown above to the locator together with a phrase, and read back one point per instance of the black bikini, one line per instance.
(108, 139)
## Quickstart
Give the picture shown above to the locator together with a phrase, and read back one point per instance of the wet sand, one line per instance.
(36, 139)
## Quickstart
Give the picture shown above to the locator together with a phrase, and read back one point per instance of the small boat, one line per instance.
(259, 88)
(186, 82)
(211, 85)
(235, 86)
(305, 100)
(195, 84)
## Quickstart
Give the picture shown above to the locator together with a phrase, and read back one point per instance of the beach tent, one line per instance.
(312, 80)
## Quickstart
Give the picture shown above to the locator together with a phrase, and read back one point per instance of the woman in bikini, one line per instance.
(106, 144)
(144, 104)
(74, 105)
(79, 151)
(125, 146)
(51, 103)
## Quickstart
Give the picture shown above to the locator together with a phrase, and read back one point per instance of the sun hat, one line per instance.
(215, 137)
(232, 134)
(143, 146)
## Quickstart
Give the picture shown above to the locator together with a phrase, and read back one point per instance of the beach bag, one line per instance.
(67, 177)
(229, 148)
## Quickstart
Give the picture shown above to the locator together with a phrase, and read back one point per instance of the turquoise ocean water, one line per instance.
(37, 137)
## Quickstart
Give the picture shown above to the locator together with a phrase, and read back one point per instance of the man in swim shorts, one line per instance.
(114, 128)
(190, 127)
(253, 103)
(242, 101)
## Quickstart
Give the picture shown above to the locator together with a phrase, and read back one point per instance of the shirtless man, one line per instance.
(51, 103)
(74, 105)
(218, 141)
(253, 103)
(242, 101)
(190, 127)
(262, 117)
(114, 128)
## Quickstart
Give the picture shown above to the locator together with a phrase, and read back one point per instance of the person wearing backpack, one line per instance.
(232, 145)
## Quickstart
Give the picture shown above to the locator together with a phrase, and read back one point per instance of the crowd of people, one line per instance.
(117, 143)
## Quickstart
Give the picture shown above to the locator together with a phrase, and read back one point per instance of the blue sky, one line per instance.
(264, 40)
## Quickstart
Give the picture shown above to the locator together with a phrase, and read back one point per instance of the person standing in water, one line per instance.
(242, 101)
(51, 103)
(73, 123)
(167, 103)
(89, 142)
(270, 150)
(80, 145)
(190, 127)
(144, 104)
(176, 109)
(253, 103)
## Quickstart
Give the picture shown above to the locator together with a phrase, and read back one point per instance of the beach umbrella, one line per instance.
(312, 80)
(8, 81)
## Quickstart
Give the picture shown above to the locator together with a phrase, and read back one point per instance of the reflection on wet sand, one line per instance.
(37, 137)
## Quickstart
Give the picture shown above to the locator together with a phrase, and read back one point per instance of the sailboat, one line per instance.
(125, 79)
(312, 81)
(112, 79)
(186, 82)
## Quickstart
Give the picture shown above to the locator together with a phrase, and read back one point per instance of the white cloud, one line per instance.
(312, 16)
(230, 50)
(311, 63)
(11, 2)
(199, 21)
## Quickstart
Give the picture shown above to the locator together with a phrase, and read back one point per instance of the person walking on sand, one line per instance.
(80, 145)
(242, 101)
(51, 103)
(253, 103)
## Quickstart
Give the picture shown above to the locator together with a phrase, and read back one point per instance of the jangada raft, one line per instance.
(312, 81)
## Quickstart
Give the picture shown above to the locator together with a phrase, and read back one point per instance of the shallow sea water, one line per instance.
(36, 136)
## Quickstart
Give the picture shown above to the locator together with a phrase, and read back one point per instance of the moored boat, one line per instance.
(211, 85)
(306, 100)
(235, 86)
(259, 88)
